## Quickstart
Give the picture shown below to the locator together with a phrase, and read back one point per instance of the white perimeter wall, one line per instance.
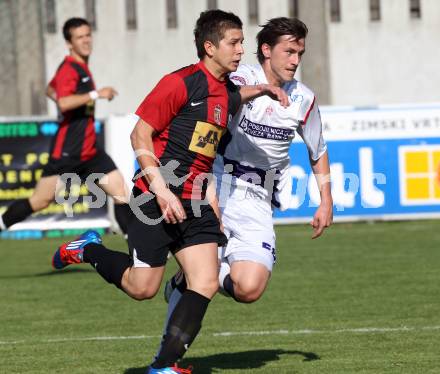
(394, 60)
(134, 61)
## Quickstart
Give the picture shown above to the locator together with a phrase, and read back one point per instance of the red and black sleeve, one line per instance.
(164, 102)
(65, 81)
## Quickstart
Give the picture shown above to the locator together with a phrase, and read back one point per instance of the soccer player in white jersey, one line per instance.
(253, 173)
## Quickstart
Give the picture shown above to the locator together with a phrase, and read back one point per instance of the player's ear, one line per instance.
(266, 50)
(69, 45)
(209, 48)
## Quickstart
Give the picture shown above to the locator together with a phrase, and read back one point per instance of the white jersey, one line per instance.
(262, 132)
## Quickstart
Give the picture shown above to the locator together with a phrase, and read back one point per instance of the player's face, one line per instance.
(80, 44)
(228, 54)
(283, 58)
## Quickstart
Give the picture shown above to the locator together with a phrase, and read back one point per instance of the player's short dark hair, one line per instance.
(73, 23)
(276, 27)
(211, 26)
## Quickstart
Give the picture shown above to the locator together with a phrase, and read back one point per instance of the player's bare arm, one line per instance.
(142, 143)
(252, 92)
(75, 101)
(50, 93)
(323, 217)
(107, 93)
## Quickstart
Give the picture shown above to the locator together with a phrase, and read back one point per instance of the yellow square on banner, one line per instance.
(436, 161)
(417, 188)
(436, 165)
(437, 188)
(417, 162)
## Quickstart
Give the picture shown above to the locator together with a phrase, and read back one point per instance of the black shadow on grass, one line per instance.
(238, 360)
(49, 273)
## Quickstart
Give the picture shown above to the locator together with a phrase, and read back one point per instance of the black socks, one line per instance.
(184, 325)
(18, 211)
(21, 209)
(178, 281)
(109, 264)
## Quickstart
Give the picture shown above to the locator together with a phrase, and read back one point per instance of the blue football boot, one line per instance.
(72, 252)
(169, 370)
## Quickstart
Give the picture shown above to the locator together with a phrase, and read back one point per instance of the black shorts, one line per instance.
(100, 163)
(153, 242)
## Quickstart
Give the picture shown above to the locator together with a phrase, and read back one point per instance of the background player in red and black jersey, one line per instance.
(176, 139)
(74, 148)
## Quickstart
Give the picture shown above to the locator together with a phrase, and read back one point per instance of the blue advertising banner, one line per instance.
(371, 179)
(385, 164)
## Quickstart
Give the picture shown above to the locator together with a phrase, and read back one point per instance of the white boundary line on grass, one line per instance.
(362, 330)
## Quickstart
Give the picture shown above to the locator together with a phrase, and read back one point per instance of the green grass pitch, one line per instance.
(364, 298)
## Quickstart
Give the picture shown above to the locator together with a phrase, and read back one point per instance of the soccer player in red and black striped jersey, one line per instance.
(180, 125)
(74, 148)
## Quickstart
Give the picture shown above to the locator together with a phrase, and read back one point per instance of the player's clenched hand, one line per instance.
(107, 93)
(323, 218)
(170, 206)
(276, 93)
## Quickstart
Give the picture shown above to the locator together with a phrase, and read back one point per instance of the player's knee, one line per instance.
(143, 292)
(248, 292)
(248, 298)
(206, 288)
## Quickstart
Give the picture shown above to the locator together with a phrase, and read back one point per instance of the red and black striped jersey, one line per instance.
(189, 109)
(76, 137)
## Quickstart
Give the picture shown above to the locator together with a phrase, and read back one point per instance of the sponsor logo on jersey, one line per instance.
(238, 79)
(263, 131)
(296, 98)
(205, 139)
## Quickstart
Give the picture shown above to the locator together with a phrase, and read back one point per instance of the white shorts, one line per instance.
(247, 219)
